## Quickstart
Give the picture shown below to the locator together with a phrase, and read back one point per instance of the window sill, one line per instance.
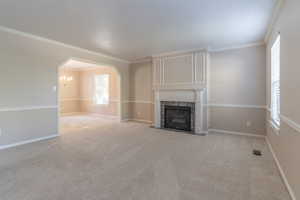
(275, 128)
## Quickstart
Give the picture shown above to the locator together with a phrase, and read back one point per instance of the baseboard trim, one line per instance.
(72, 113)
(282, 174)
(137, 120)
(28, 141)
(236, 133)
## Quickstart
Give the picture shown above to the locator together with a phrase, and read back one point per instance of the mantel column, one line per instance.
(157, 110)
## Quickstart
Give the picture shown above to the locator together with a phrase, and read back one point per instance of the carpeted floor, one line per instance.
(102, 159)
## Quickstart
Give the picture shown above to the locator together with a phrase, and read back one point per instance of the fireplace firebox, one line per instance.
(178, 115)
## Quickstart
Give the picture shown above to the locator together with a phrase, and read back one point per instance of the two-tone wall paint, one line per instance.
(28, 84)
(237, 90)
(285, 142)
(77, 96)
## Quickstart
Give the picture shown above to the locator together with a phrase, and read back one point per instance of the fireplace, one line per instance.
(178, 115)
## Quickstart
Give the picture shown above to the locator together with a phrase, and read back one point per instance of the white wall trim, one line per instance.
(139, 101)
(141, 120)
(236, 106)
(146, 60)
(285, 180)
(35, 37)
(71, 114)
(24, 108)
(236, 133)
(255, 44)
(291, 123)
(27, 141)
(178, 53)
(275, 14)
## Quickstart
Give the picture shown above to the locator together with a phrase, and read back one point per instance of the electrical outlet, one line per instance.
(248, 123)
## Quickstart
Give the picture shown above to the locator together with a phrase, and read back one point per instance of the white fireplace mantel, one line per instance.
(182, 78)
(196, 96)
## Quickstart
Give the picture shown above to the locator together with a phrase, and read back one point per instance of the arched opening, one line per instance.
(89, 95)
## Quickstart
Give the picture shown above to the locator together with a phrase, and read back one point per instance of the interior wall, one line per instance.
(87, 104)
(237, 90)
(69, 92)
(287, 142)
(28, 83)
(141, 93)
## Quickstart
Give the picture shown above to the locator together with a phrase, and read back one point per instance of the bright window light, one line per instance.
(102, 89)
(275, 82)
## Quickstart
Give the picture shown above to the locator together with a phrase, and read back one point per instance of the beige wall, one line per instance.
(28, 76)
(69, 92)
(141, 94)
(286, 144)
(237, 84)
(78, 95)
(87, 92)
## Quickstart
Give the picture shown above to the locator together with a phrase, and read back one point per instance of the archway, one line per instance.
(87, 88)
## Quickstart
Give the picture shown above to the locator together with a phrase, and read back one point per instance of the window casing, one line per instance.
(275, 82)
(101, 89)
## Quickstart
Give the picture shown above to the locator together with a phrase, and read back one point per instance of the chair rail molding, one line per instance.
(236, 105)
(290, 123)
(24, 108)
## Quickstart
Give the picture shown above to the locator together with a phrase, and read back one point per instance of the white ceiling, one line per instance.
(133, 29)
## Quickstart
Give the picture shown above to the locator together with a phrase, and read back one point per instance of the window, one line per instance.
(101, 89)
(275, 82)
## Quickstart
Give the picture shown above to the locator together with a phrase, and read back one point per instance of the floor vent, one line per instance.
(257, 152)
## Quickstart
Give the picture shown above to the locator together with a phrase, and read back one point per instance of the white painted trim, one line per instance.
(175, 53)
(274, 127)
(72, 113)
(24, 108)
(139, 101)
(236, 133)
(86, 99)
(291, 123)
(27, 141)
(146, 60)
(275, 14)
(255, 44)
(285, 180)
(75, 99)
(141, 120)
(236, 106)
(28, 35)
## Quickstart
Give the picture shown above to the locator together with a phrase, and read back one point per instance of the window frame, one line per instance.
(96, 89)
(275, 83)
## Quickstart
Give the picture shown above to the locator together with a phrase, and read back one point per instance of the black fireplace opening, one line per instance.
(178, 117)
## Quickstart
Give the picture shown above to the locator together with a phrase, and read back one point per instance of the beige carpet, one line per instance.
(101, 159)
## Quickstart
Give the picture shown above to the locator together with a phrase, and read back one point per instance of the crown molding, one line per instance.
(174, 53)
(39, 38)
(255, 44)
(275, 15)
(144, 60)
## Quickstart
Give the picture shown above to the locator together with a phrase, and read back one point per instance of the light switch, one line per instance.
(54, 88)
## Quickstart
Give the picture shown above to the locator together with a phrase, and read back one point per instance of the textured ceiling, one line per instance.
(133, 29)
